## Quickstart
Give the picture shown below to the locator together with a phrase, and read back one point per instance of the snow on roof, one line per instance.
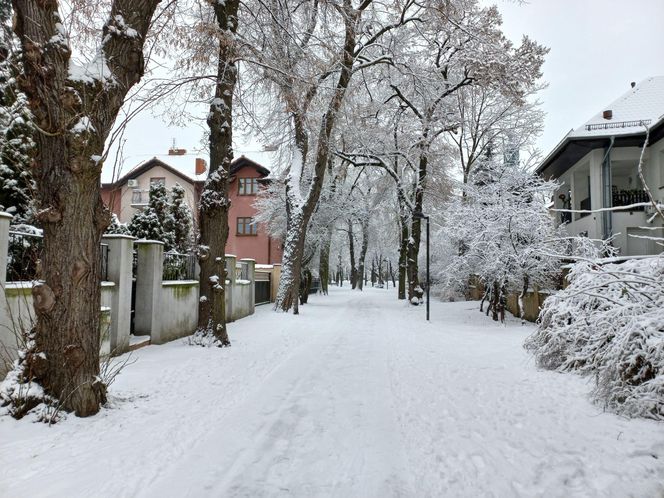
(185, 164)
(643, 104)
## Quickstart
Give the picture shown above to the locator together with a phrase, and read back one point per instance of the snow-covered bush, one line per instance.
(609, 323)
(116, 227)
(167, 218)
(16, 143)
(502, 232)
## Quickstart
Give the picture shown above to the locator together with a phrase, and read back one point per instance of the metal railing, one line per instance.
(618, 124)
(628, 197)
(24, 255)
(179, 266)
(103, 262)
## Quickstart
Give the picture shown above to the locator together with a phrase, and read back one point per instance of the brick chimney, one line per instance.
(608, 114)
(176, 152)
(201, 166)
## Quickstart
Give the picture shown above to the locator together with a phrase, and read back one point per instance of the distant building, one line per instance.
(131, 192)
(597, 167)
(246, 238)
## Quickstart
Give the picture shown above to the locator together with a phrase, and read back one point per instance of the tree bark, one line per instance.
(214, 204)
(324, 262)
(363, 253)
(403, 257)
(74, 116)
(522, 296)
(414, 288)
(298, 215)
(351, 252)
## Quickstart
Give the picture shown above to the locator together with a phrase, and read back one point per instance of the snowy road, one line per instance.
(358, 396)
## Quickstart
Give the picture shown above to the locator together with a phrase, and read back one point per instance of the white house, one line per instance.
(597, 166)
(131, 192)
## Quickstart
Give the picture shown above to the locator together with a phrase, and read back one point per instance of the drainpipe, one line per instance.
(607, 194)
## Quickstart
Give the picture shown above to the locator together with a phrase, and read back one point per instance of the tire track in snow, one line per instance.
(323, 426)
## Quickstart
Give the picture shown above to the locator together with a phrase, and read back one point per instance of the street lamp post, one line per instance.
(421, 216)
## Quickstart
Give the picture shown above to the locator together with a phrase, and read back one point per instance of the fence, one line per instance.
(159, 287)
(24, 253)
(179, 266)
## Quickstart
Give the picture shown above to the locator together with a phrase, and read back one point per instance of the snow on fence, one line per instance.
(164, 297)
(24, 252)
(179, 266)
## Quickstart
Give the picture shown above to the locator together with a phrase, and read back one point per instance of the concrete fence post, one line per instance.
(229, 285)
(149, 273)
(120, 256)
(251, 276)
(274, 283)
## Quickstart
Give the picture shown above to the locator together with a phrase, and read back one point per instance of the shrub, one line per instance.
(609, 323)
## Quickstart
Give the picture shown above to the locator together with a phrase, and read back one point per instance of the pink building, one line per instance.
(247, 239)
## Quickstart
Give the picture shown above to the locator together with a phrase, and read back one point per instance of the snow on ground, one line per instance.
(357, 396)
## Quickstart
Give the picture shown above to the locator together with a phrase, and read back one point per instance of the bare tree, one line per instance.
(74, 109)
(214, 201)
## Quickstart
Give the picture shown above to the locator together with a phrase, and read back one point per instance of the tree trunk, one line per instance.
(289, 283)
(214, 204)
(74, 117)
(299, 214)
(351, 251)
(495, 301)
(414, 288)
(403, 258)
(522, 296)
(374, 277)
(305, 286)
(363, 253)
(324, 262)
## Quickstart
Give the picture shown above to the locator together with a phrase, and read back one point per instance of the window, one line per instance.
(248, 186)
(246, 226)
(158, 181)
(136, 197)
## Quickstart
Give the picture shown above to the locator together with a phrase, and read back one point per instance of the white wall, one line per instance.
(178, 311)
(126, 208)
(17, 316)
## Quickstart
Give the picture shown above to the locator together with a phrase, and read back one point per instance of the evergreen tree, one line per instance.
(180, 221)
(117, 227)
(16, 144)
(153, 222)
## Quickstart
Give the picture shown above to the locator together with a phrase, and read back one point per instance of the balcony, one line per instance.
(629, 197)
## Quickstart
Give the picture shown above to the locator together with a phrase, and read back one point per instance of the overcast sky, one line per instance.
(597, 48)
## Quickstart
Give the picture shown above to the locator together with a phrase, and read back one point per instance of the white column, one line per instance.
(120, 255)
(228, 287)
(149, 271)
(251, 276)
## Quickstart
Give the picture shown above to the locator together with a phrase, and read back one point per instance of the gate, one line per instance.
(262, 282)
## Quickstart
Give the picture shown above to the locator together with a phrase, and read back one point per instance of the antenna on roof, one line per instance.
(174, 151)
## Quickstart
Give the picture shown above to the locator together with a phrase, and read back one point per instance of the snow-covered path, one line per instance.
(358, 396)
